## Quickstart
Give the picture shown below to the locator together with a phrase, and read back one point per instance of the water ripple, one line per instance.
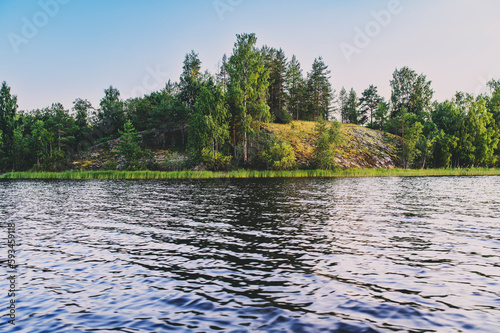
(281, 255)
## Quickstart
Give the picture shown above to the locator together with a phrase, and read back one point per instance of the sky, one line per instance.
(60, 50)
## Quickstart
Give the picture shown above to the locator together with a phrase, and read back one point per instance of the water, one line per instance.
(275, 255)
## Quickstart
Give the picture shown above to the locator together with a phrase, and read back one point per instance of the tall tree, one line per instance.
(209, 125)
(248, 87)
(8, 108)
(130, 145)
(82, 108)
(20, 149)
(343, 102)
(222, 76)
(352, 107)
(410, 91)
(369, 103)
(296, 87)
(276, 63)
(111, 116)
(381, 114)
(190, 80)
(320, 90)
(62, 125)
(40, 141)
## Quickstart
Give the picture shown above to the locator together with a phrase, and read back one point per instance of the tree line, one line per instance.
(220, 117)
(461, 132)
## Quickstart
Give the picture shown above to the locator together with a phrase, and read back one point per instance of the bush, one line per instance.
(324, 151)
(215, 161)
(110, 165)
(175, 162)
(280, 157)
(55, 163)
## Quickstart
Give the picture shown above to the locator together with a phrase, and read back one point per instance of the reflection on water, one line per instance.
(274, 255)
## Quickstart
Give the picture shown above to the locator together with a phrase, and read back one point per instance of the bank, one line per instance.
(188, 174)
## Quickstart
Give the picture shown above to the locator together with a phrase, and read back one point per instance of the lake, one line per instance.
(268, 255)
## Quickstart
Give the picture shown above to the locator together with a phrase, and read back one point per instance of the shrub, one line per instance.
(280, 157)
(174, 162)
(215, 160)
(324, 150)
(110, 165)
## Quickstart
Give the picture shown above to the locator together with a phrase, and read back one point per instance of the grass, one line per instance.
(250, 174)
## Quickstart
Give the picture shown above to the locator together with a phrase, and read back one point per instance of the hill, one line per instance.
(362, 148)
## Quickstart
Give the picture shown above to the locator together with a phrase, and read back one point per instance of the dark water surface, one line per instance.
(274, 255)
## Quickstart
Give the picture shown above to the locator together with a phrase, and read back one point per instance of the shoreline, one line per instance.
(241, 174)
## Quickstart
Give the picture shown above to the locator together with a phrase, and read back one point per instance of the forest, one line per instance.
(219, 119)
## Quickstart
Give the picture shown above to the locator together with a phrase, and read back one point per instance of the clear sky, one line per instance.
(60, 50)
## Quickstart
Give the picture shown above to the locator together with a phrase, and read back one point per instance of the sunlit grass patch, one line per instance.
(187, 174)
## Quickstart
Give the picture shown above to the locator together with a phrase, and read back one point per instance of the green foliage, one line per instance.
(469, 132)
(381, 115)
(190, 80)
(247, 91)
(111, 116)
(8, 108)
(280, 156)
(174, 162)
(209, 125)
(276, 64)
(129, 147)
(324, 150)
(250, 174)
(352, 108)
(55, 162)
(296, 87)
(369, 104)
(214, 160)
(110, 165)
(21, 149)
(1, 143)
(412, 137)
(410, 91)
(254, 86)
(443, 145)
(319, 90)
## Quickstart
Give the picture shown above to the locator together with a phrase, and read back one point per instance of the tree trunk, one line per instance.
(234, 138)
(245, 153)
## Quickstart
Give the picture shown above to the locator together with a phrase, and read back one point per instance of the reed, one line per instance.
(187, 174)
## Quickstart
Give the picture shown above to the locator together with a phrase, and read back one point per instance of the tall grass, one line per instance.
(250, 174)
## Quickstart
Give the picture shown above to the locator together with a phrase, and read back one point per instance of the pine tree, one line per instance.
(352, 107)
(8, 108)
(296, 87)
(319, 90)
(129, 145)
(222, 76)
(190, 80)
(368, 104)
(343, 99)
(276, 63)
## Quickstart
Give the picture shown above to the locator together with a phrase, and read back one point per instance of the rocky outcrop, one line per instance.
(361, 148)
